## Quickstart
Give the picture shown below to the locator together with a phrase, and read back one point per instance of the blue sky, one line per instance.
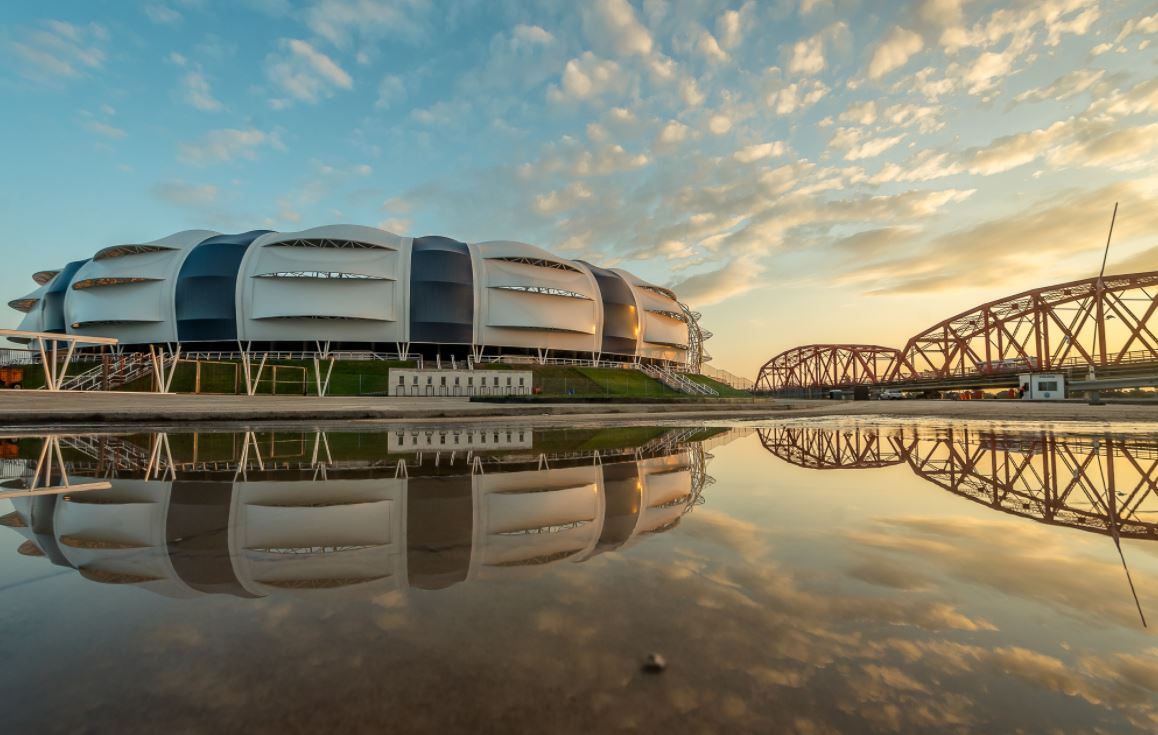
(801, 171)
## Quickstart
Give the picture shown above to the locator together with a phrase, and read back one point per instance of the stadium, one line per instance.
(355, 288)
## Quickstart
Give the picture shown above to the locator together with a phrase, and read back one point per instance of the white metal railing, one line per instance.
(471, 361)
(226, 355)
(113, 373)
(678, 381)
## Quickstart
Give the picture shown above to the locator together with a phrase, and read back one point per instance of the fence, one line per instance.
(727, 378)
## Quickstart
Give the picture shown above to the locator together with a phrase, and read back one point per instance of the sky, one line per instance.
(799, 171)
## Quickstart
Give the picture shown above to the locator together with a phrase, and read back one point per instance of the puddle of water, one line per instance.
(847, 575)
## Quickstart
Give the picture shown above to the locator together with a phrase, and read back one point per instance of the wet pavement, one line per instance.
(807, 576)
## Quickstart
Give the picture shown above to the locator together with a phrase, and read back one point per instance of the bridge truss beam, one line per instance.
(830, 365)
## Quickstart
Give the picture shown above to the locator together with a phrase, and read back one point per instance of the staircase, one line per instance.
(677, 381)
(112, 373)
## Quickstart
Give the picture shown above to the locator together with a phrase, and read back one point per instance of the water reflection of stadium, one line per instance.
(1105, 483)
(251, 514)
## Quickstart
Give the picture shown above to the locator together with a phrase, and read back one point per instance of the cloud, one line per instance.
(797, 96)
(1096, 138)
(104, 129)
(162, 14)
(940, 13)
(1068, 85)
(585, 78)
(759, 151)
(1145, 25)
(555, 202)
(861, 113)
(988, 69)
(390, 90)
(719, 123)
(227, 145)
(904, 114)
(1052, 229)
(690, 92)
(612, 26)
(532, 35)
(59, 50)
(710, 49)
(196, 92)
(671, 135)
(184, 194)
(1076, 141)
(894, 51)
(397, 225)
(340, 21)
(304, 73)
(730, 25)
(517, 59)
(808, 54)
(607, 159)
(1020, 21)
(856, 147)
(732, 279)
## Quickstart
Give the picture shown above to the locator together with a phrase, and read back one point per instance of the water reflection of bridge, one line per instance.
(1106, 483)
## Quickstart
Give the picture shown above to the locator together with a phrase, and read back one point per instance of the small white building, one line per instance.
(413, 382)
(1043, 386)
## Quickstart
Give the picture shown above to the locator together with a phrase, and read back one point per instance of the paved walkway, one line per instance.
(41, 408)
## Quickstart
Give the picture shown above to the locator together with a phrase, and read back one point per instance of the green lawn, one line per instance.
(372, 377)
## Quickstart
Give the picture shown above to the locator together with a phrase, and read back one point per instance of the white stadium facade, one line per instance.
(356, 288)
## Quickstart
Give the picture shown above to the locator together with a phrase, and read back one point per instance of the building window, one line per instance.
(442, 381)
(401, 380)
(496, 381)
(1047, 385)
(521, 381)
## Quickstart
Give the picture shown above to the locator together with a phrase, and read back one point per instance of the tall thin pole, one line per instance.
(1099, 293)
(1106, 254)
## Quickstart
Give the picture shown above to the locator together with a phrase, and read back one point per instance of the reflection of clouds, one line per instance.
(736, 535)
(757, 641)
(887, 573)
(778, 650)
(1022, 560)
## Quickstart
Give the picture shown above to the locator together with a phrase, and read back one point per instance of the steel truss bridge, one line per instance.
(1104, 484)
(1105, 324)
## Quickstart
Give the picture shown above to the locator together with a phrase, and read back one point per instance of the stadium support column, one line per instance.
(251, 380)
(323, 353)
(163, 373)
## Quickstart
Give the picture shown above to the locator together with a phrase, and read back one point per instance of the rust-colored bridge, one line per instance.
(1106, 323)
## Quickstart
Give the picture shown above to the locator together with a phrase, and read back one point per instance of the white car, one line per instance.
(888, 394)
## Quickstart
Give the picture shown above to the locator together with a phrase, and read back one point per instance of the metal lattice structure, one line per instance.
(821, 449)
(1105, 484)
(828, 366)
(1104, 322)
(1047, 328)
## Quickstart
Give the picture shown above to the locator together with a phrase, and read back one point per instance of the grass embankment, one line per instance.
(724, 390)
(372, 377)
(283, 377)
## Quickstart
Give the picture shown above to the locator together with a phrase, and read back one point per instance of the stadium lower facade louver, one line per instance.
(361, 288)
